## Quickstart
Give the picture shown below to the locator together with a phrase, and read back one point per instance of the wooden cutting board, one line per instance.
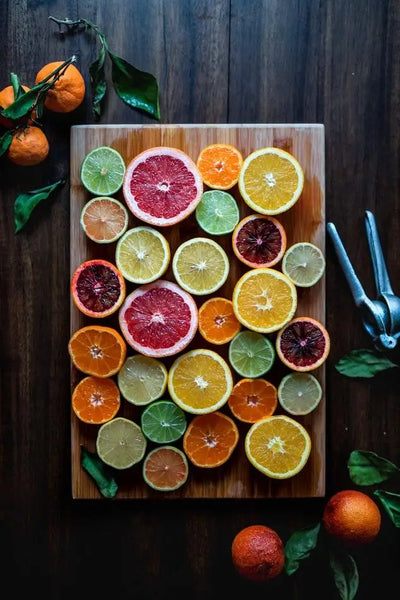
(304, 222)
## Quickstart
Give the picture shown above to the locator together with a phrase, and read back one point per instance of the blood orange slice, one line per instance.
(259, 241)
(158, 319)
(303, 344)
(162, 186)
(98, 288)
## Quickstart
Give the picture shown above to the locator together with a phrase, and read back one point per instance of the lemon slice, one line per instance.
(304, 264)
(142, 379)
(142, 255)
(120, 443)
(299, 393)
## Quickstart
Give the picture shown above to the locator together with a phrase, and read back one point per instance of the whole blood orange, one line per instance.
(98, 288)
(258, 553)
(352, 517)
(303, 344)
(259, 241)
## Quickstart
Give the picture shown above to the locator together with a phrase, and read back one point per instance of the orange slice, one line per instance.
(97, 350)
(219, 165)
(217, 321)
(210, 439)
(96, 400)
(253, 399)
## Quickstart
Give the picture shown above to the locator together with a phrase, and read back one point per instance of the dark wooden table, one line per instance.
(219, 61)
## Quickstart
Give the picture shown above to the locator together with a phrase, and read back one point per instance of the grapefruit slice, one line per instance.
(162, 186)
(97, 288)
(303, 344)
(158, 319)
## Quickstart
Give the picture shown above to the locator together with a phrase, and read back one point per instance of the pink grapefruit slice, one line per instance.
(162, 186)
(158, 319)
(259, 241)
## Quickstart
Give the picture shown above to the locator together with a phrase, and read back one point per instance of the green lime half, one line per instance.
(251, 354)
(163, 422)
(165, 468)
(120, 443)
(217, 212)
(299, 393)
(102, 171)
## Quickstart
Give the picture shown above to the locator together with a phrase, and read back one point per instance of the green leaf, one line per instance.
(367, 468)
(345, 574)
(363, 363)
(136, 88)
(23, 105)
(299, 546)
(18, 89)
(100, 473)
(25, 203)
(391, 503)
(5, 141)
(98, 82)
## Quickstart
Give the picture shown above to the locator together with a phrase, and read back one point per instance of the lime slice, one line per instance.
(102, 171)
(163, 422)
(299, 393)
(142, 379)
(165, 468)
(142, 255)
(304, 264)
(251, 354)
(120, 443)
(217, 212)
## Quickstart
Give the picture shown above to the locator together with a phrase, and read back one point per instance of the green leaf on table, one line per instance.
(299, 546)
(367, 468)
(5, 141)
(363, 363)
(27, 202)
(345, 574)
(137, 89)
(391, 503)
(100, 473)
(98, 82)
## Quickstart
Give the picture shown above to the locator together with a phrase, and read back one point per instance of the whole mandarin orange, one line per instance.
(28, 147)
(6, 98)
(258, 553)
(352, 517)
(67, 92)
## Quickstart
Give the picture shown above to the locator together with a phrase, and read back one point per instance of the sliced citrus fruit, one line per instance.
(217, 321)
(217, 212)
(96, 400)
(163, 422)
(98, 288)
(210, 439)
(120, 443)
(299, 393)
(104, 220)
(102, 171)
(200, 266)
(158, 319)
(165, 468)
(253, 399)
(264, 300)
(271, 180)
(259, 241)
(303, 344)
(162, 186)
(142, 255)
(278, 446)
(200, 381)
(142, 379)
(304, 264)
(97, 350)
(219, 165)
(251, 354)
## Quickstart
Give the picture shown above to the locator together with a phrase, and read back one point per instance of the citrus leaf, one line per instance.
(299, 546)
(22, 105)
(367, 468)
(98, 82)
(100, 473)
(391, 503)
(345, 574)
(137, 89)
(17, 87)
(363, 363)
(5, 141)
(25, 203)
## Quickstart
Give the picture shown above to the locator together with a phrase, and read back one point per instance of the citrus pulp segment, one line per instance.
(210, 439)
(102, 171)
(251, 354)
(264, 300)
(120, 443)
(142, 255)
(271, 180)
(278, 446)
(259, 241)
(163, 422)
(217, 321)
(200, 266)
(200, 381)
(97, 350)
(165, 468)
(219, 165)
(162, 186)
(299, 393)
(104, 220)
(217, 212)
(253, 399)
(142, 379)
(304, 264)
(98, 288)
(158, 319)
(96, 400)
(303, 344)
